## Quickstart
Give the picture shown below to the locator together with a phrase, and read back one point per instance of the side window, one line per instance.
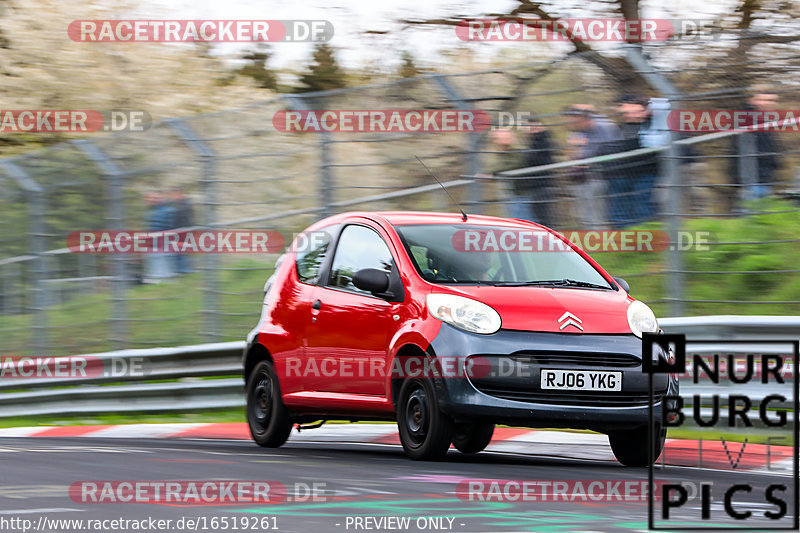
(312, 248)
(359, 247)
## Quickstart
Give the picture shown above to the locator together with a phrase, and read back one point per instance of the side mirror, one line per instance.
(371, 280)
(622, 283)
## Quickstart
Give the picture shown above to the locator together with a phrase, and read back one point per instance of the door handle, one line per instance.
(316, 305)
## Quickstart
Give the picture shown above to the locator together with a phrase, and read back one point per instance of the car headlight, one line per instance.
(641, 319)
(464, 313)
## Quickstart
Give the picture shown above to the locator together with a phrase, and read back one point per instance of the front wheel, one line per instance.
(473, 438)
(630, 446)
(267, 416)
(425, 432)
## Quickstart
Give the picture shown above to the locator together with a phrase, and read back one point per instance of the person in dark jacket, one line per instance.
(631, 180)
(531, 196)
(590, 136)
(183, 218)
(540, 187)
(766, 145)
(160, 217)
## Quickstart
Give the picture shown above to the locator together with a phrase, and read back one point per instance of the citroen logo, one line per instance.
(568, 319)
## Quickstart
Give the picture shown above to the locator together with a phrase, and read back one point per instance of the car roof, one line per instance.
(400, 218)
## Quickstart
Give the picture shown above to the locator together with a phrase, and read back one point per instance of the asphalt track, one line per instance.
(364, 480)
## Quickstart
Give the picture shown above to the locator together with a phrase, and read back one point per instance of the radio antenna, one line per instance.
(463, 214)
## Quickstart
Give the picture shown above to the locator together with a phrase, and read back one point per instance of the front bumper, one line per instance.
(501, 384)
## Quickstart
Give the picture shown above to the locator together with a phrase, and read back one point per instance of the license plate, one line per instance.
(581, 380)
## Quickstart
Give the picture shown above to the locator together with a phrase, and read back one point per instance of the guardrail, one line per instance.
(208, 376)
(202, 372)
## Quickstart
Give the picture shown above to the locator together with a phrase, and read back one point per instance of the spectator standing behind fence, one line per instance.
(509, 156)
(530, 195)
(766, 145)
(539, 188)
(160, 217)
(590, 136)
(631, 180)
(183, 218)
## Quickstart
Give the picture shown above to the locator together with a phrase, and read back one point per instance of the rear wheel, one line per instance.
(473, 438)
(267, 416)
(630, 446)
(425, 432)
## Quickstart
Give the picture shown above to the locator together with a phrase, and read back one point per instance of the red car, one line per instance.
(449, 325)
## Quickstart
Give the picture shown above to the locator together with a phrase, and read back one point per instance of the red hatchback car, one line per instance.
(449, 326)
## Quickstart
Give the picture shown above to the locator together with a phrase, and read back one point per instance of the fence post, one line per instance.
(206, 157)
(326, 178)
(747, 166)
(39, 273)
(116, 217)
(6, 301)
(475, 190)
(673, 182)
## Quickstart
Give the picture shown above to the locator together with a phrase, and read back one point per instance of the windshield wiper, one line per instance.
(566, 282)
(576, 283)
(532, 283)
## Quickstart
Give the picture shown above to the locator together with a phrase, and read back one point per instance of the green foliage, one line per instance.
(748, 259)
(408, 69)
(256, 68)
(167, 314)
(323, 73)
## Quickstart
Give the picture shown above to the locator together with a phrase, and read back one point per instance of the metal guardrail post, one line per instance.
(39, 273)
(475, 191)
(116, 218)
(673, 182)
(206, 157)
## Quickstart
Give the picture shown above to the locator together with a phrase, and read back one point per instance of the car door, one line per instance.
(348, 337)
(312, 253)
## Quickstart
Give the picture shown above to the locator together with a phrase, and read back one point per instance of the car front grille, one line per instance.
(593, 359)
(574, 397)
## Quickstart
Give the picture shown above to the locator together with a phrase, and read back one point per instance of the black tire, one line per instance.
(473, 438)
(425, 432)
(267, 416)
(630, 447)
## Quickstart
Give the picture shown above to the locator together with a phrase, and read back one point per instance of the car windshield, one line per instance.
(493, 255)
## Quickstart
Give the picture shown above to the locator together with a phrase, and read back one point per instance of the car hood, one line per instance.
(544, 308)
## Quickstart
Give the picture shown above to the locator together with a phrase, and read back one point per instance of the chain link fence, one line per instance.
(235, 170)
